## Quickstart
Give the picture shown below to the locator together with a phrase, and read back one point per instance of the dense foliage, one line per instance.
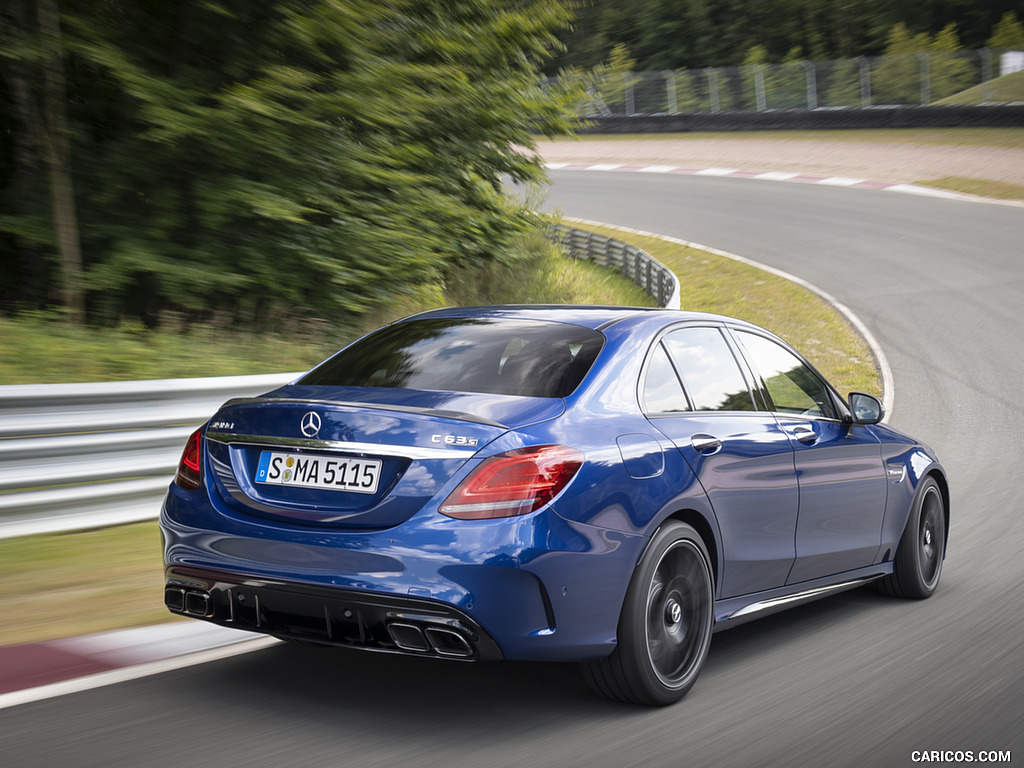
(674, 34)
(261, 156)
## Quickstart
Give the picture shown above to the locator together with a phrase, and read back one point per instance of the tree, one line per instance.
(1008, 34)
(844, 85)
(754, 66)
(949, 71)
(303, 156)
(689, 92)
(33, 67)
(677, 33)
(618, 79)
(896, 78)
(786, 83)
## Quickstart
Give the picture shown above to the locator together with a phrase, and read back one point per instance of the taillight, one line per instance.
(190, 469)
(513, 483)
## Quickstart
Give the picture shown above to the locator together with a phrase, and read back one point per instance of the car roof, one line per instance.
(596, 317)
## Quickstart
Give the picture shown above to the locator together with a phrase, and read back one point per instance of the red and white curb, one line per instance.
(35, 671)
(831, 181)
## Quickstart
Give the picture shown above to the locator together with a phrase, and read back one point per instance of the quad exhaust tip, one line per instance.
(188, 601)
(440, 640)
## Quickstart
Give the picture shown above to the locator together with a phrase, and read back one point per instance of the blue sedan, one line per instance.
(602, 485)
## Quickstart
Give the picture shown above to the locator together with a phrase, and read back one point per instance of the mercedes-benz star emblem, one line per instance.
(310, 424)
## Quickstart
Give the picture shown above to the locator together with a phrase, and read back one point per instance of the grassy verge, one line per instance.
(999, 190)
(1007, 88)
(58, 585)
(41, 349)
(711, 283)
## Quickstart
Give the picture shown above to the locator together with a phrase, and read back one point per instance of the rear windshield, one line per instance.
(494, 356)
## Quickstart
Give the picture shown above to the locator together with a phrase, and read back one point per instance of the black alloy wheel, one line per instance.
(922, 548)
(666, 622)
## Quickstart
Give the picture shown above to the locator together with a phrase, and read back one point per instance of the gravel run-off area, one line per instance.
(886, 162)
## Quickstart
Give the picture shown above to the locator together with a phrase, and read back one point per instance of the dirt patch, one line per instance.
(895, 163)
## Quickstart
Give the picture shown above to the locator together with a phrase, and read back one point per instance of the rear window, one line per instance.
(493, 356)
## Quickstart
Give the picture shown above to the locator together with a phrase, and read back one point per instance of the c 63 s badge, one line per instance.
(457, 440)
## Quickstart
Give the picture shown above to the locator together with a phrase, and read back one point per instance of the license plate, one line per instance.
(317, 471)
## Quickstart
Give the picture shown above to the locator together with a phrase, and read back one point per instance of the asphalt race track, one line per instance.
(853, 680)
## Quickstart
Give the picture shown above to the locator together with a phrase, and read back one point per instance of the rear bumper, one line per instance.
(328, 615)
(536, 588)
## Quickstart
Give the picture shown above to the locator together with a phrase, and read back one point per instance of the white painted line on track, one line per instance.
(141, 645)
(658, 169)
(888, 382)
(716, 172)
(604, 166)
(913, 189)
(841, 181)
(112, 677)
(777, 175)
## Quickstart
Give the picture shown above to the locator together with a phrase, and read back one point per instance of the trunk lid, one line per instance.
(352, 457)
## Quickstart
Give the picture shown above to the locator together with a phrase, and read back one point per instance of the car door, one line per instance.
(839, 465)
(695, 393)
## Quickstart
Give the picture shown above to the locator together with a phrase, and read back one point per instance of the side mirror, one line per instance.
(866, 409)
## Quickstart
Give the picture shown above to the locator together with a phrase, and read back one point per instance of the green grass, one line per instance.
(1007, 88)
(999, 190)
(58, 585)
(711, 283)
(41, 349)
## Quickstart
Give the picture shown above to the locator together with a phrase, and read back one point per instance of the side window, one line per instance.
(791, 384)
(662, 391)
(709, 371)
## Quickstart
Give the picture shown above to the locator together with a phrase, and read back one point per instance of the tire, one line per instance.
(665, 625)
(922, 548)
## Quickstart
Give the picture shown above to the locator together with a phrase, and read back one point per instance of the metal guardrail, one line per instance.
(651, 275)
(75, 456)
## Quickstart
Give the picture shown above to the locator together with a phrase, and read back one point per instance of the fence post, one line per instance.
(762, 103)
(986, 74)
(812, 85)
(712, 75)
(670, 91)
(627, 79)
(926, 79)
(865, 81)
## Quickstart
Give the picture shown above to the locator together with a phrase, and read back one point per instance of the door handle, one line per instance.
(706, 444)
(805, 434)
